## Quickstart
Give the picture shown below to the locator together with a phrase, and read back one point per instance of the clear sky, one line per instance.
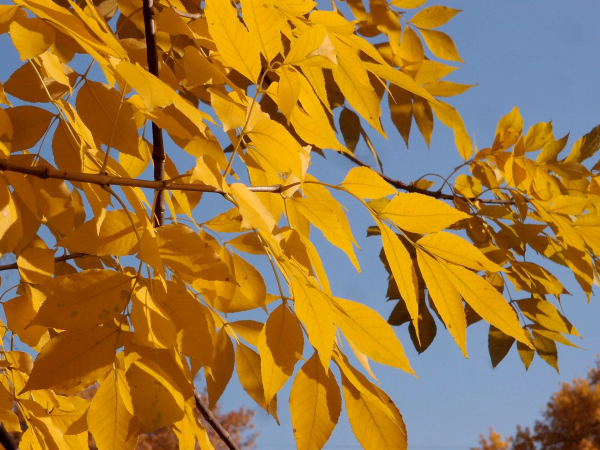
(543, 57)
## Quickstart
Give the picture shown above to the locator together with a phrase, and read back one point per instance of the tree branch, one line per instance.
(214, 423)
(6, 439)
(158, 147)
(100, 179)
(435, 194)
(57, 259)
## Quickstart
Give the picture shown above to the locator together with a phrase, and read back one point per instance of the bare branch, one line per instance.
(214, 423)
(57, 259)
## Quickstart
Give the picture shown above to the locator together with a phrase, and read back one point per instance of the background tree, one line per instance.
(239, 423)
(571, 420)
(236, 101)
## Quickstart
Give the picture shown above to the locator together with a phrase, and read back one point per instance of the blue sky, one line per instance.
(543, 57)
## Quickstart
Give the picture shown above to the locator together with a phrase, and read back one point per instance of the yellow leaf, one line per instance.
(508, 131)
(29, 124)
(36, 265)
(451, 118)
(315, 405)
(431, 71)
(249, 330)
(458, 251)
(445, 297)
(135, 165)
(84, 299)
(198, 69)
(248, 365)
(313, 48)
(231, 113)
(254, 214)
(486, 301)
(152, 327)
(108, 417)
(420, 213)
(19, 312)
(234, 42)
(372, 425)
(408, 4)
(313, 308)
(157, 393)
(424, 118)
(221, 368)
(403, 270)
(272, 142)
(31, 37)
(153, 91)
(8, 13)
(366, 183)
(441, 45)
(195, 330)
(371, 334)
(53, 67)
(280, 345)
(547, 315)
(187, 252)
(74, 359)
(446, 88)
(538, 136)
(288, 90)
(433, 17)
(324, 218)
(108, 116)
(585, 146)
(263, 24)
(333, 21)
(116, 236)
(358, 92)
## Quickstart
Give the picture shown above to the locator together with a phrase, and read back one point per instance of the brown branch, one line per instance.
(6, 439)
(188, 15)
(214, 423)
(57, 259)
(435, 194)
(102, 180)
(158, 147)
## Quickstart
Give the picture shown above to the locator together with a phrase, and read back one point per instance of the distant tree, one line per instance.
(237, 422)
(571, 421)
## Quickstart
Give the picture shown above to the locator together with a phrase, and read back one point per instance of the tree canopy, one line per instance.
(571, 421)
(124, 280)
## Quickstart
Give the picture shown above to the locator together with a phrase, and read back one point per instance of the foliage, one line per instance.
(237, 422)
(571, 420)
(248, 94)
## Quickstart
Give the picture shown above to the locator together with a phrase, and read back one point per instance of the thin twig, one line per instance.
(57, 259)
(435, 194)
(211, 419)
